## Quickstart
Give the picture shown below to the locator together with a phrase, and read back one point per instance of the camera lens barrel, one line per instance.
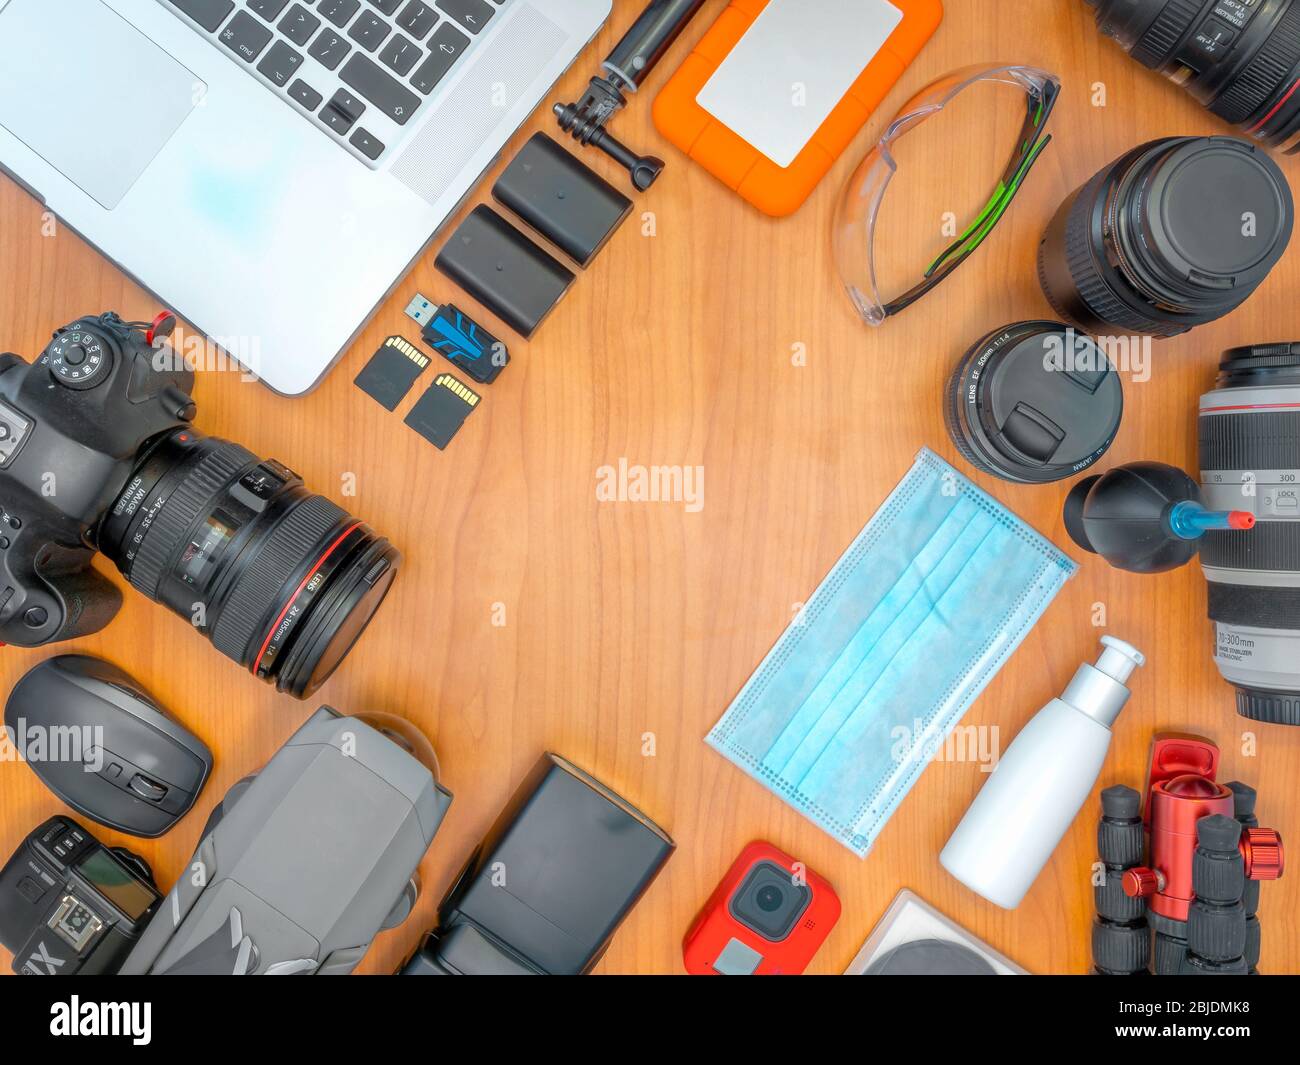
(1173, 234)
(1249, 430)
(281, 580)
(1239, 60)
(1034, 402)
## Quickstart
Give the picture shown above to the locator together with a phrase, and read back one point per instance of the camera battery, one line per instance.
(562, 198)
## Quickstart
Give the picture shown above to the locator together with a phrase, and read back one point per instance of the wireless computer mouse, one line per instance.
(104, 746)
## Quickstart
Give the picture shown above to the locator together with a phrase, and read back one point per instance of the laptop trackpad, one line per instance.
(90, 94)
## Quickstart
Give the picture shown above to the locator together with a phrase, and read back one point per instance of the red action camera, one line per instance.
(768, 917)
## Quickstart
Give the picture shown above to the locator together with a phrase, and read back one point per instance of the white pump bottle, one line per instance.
(1039, 785)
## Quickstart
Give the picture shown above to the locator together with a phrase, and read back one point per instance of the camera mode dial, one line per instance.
(79, 359)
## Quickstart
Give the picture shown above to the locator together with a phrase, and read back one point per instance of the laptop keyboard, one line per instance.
(361, 69)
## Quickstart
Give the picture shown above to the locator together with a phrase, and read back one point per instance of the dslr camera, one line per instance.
(97, 453)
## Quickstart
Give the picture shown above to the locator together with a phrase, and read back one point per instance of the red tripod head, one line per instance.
(1182, 789)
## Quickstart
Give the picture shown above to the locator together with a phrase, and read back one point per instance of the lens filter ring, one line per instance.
(327, 611)
(285, 548)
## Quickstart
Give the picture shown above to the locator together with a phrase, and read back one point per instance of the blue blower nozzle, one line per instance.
(1144, 517)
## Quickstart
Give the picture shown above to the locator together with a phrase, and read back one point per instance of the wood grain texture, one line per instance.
(628, 619)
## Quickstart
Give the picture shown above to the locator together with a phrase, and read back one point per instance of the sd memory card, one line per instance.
(442, 410)
(391, 372)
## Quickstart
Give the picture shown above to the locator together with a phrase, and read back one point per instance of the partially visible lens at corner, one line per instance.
(1174, 234)
(279, 579)
(1239, 58)
(1250, 460)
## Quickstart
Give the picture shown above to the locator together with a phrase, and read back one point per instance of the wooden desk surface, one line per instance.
(628, 619)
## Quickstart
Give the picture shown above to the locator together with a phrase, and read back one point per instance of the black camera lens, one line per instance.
(1249, 429)
(281, 580)
(1034, 402)
(1239, 58)
(1173, 234)
(770, 901)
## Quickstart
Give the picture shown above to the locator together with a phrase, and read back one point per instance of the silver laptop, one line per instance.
(270, 169)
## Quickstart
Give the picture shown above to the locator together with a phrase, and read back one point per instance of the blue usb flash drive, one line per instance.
(459, 339)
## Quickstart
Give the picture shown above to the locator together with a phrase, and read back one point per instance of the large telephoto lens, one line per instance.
(1175, 233)
(1250, 460)
(279, 579)
(1238, 58)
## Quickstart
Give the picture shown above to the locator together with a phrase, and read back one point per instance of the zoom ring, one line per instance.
(1271, 546)
(1264, 74)
(287, 547)
(178, 513)
(1100, 301)
(1263, 440)
(1174, 20)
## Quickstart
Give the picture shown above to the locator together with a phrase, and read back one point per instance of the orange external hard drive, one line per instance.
(777, 89)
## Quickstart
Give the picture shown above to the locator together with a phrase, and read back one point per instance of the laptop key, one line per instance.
(369, 31)
(445, 47)
(471, 14)
(339, 12)
(329, 49)
(268, 9)
(335, 120)
(417, 19)
(348, 104)
(207, 13)
(367, 144)
(299, 24)
(246, 37)
(280, 63)
(305, 95)
(380, 88)
(400, 55)
(386, 6)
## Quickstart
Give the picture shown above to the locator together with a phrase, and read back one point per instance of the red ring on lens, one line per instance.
(256, 667)
(1259, 126)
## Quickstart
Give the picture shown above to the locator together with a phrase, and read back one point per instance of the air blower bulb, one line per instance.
(1144, 517)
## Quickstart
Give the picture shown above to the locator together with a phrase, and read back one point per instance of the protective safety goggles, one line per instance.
(857, 220)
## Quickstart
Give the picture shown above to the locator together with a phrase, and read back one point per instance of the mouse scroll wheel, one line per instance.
(149, 790)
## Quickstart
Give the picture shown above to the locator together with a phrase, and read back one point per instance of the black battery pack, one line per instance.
(562, 198)
(504, 270)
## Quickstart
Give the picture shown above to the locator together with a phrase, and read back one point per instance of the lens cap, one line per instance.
(1216, 217)
(1034, 402)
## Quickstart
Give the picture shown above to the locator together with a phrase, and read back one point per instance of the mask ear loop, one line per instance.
(1040, 104)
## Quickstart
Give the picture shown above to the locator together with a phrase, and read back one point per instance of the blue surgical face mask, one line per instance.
(902, 635)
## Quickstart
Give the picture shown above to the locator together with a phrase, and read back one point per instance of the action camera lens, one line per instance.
(770, 901)
(279, 579)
